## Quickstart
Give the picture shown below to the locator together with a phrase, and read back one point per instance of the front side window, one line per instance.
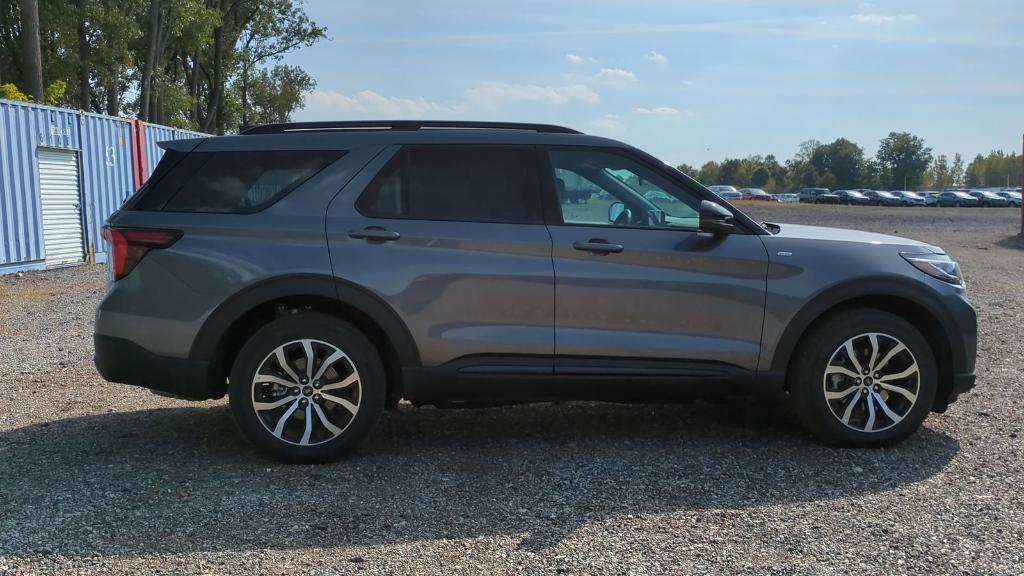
(469, 184)
(610, 189)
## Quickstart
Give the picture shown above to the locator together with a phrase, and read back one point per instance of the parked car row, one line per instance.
(950, 197)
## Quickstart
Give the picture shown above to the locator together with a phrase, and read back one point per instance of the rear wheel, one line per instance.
(307, 388)
(863, 378)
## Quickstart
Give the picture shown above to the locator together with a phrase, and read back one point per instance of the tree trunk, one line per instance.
(30, 47)
(149, 63)
(214, 117)
(112, 100)
(84, 87)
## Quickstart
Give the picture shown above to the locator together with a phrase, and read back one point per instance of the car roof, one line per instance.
(343, 135)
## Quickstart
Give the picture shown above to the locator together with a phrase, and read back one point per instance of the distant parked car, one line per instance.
(1012, 197)
(883, 198)
(818, 196)
(956, 198)
(908, 198)
(787, 198)
(852, 197)
(931, 197)
(722, 190)
(755, 194)
(989, 199)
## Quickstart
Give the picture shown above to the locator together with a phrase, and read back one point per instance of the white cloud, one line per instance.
(485, 96)
(608, 125)
(369, 103)
(614, 76)
(491, 95)
(577, 59)
(657, 111)
(876, 19)
(655, 57)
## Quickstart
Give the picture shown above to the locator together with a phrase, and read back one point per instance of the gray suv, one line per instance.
(318, 273)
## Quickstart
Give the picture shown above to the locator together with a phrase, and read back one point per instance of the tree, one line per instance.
(940, 175)
(760, 176)
(842, 159)
(709, 173)
(31, 51)
(688, 170)
(905, 157)
(276, 29)
(957, 170)
(275, 94)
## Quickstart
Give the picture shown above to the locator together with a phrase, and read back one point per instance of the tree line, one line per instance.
(209, 65)
(902, 162)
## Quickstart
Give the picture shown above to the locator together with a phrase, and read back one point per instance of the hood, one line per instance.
(801, 232)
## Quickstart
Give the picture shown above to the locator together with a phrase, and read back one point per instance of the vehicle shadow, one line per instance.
(1015, 241)
(183, 479)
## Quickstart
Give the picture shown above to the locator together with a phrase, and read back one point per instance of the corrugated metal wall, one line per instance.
(107, 160)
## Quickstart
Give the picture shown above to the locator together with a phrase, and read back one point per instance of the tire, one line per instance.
(291, 407)
(822, 348)
(956, 204)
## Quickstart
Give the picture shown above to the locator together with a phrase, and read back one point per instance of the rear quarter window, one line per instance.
(237, 182)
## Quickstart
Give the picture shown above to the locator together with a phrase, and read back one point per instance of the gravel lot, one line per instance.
(102, 478)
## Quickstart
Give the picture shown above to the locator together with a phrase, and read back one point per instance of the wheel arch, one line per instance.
(227, 328)
(900, 298)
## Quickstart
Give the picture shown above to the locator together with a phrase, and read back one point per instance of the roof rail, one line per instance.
(404, 125)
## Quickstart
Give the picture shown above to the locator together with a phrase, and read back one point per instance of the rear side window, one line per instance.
(450, 183)
(229, 182)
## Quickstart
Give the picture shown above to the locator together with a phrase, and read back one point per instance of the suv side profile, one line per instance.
(318, 273)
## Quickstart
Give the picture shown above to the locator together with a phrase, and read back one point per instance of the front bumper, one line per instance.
(125, 362)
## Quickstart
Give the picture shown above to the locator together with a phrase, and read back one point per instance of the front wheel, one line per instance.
(863, 378)
(307, 388)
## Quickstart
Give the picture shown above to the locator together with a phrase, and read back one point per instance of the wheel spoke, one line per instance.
(873, 338)
(323, 420)
(284, 418)
(343, 402)
(901, 391)
(852, 355)
(267, 379)
(841, 370)
(899, 376)
(840, 395)
(307, 346)
(309, 425)
(885, 359)
(274, 404)
(885, 408)
(283, 362)
(871, 414)
(849, 409)
(348, 381)
(337, 355)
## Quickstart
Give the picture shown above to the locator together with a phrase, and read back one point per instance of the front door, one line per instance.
(635, 280)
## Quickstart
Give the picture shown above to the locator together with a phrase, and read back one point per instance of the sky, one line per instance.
(687, 80)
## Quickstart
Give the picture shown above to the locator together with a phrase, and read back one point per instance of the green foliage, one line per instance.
(55, 93)
(905, 157)
(996, 169)
(842, 159)
(10, 92)
(760, 177)
(275, 94)
(688, 170)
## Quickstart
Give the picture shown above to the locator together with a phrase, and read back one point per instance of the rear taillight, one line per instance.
(127, 246)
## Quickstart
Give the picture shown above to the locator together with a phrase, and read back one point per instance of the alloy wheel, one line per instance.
(306, 392)
(871, 382)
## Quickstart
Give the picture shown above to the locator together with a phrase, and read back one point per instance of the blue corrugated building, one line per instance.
(62, 172)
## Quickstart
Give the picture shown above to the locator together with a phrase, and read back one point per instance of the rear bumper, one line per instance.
(125, 362)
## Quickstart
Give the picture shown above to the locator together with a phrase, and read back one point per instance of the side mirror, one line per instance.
(714, 219)
(615, 209)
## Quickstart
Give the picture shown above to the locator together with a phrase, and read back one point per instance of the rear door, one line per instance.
(635, 280)
(452, 238)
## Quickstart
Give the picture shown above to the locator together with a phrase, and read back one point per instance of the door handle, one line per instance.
(598, 246)
(374, 234)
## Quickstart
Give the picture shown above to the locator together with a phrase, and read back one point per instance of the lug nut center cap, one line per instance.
(867, 381)
(307, 391)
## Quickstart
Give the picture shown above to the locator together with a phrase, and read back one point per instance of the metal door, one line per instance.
(60, 201)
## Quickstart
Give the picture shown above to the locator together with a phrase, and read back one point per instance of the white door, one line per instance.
(62, 217)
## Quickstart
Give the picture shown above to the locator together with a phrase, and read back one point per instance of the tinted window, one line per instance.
(467, 184)
(231, 182)
(588, 182)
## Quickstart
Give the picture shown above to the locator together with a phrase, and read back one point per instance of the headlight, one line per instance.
(937, 266)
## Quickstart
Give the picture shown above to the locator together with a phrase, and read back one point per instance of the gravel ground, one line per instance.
(102, 478)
